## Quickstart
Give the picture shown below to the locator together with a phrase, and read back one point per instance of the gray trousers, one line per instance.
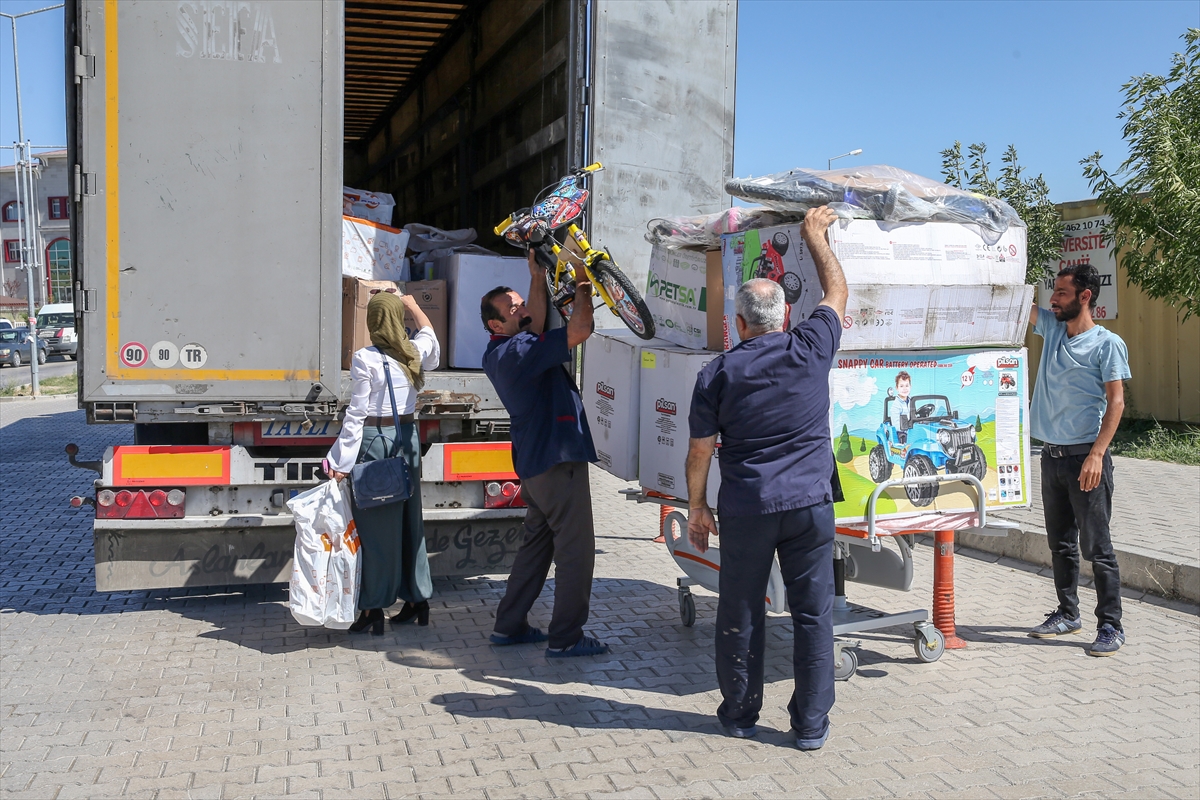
(558, 530)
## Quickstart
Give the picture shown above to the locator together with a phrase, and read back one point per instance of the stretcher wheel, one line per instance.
(929, 653)
(844, 667)
(687, 609)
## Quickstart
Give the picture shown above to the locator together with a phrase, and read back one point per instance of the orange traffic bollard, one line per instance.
(943, 588)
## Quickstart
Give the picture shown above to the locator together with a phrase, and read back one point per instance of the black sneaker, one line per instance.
(1056, 624)
(1108, 641)
(530, 636)
(587, 646)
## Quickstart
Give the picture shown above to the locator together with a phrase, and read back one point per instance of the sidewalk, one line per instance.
(214, 693)
(1155, 528)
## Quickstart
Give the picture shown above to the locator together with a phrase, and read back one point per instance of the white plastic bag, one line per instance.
(325, 566)
(373, 251)
(375, 206)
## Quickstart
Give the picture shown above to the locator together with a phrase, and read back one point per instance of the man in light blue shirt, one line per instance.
(1077, 404)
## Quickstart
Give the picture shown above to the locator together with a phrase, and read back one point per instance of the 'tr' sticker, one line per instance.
(134, 354)
(193, 356)
(164, 355)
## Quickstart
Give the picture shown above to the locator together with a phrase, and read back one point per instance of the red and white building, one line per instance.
(53, 231)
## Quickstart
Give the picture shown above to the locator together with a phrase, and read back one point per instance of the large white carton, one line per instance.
(468, 278)
(927, 253)
(677, 296)
(612, 378)
(897, 317)
(668, 378)
(778, 254)
(373, 251)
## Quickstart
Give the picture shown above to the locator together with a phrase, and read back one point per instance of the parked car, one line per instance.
(56, 326)
(931, 440)
(15, 347)
(5, 325)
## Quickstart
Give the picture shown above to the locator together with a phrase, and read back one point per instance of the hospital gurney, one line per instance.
(859, 555)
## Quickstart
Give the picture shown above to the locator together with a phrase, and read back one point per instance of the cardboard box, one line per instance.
(468, 278)
(680, 299)
(611, 383)
(901, 292)
(778, 254)
(897, 317)
(356, 293)
(927, 254)
(967, 411)
(668, 376)
(373, 251)
(431, 297)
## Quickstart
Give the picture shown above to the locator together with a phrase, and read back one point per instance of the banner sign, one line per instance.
(1083, 243)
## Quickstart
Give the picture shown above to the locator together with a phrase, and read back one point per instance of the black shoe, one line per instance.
(372, 619)
(418, 611)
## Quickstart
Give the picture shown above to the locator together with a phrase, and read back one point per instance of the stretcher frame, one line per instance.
(848, 618)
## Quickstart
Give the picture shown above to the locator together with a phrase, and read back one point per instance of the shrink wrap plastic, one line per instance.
(877, 192)
(706, 230)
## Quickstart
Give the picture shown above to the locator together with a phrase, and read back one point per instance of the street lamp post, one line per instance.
(829, 163)
(26, 210)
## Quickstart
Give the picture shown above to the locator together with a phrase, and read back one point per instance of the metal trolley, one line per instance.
(858, 555)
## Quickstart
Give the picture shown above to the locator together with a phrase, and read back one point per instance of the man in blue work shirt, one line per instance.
(768, 398)
(551, 447)
(1077, 404)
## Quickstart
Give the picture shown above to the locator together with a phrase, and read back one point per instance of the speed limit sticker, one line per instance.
(193, 356)
(164, 355)
(134, 354)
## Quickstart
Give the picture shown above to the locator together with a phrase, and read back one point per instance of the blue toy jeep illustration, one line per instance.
(923, 438)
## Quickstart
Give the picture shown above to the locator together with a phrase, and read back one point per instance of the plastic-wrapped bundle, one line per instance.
(706, 230)
(877, 192)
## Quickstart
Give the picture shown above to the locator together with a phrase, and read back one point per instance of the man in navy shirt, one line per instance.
(768, 398)
(551, 447)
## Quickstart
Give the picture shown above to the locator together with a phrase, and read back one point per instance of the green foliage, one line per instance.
(978, 424)
(1154, 196)
(845, 453)
(1147, 439)
(862, 445)
(1029, 197)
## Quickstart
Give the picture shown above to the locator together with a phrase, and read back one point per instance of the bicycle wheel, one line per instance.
(627, 301)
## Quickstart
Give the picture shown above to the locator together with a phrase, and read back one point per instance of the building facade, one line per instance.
(51, 209)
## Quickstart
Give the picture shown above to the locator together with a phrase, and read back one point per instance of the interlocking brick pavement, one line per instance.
(219, 694)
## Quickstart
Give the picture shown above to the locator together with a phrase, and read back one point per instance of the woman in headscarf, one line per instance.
(392, 536)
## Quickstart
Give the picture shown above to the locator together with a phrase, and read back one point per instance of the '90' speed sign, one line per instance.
(134, 354)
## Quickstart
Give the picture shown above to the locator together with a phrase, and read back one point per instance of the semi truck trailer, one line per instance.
(209, 142)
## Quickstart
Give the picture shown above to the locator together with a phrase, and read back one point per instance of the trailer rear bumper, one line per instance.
(252, 549)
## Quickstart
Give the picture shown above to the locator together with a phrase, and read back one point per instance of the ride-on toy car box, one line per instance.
(908, 414)
(778, 254)
(668, 378)
(611, 384)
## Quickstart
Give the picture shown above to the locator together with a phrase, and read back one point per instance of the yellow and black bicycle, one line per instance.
(533, 229)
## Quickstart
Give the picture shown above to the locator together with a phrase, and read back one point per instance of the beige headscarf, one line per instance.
(385, 323)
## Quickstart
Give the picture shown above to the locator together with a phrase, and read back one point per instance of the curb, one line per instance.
(27, 398)
(1156, 576)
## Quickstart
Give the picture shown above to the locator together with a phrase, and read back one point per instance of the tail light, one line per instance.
(429, 430)
(503, 494)
(58, 334)
(140, 504)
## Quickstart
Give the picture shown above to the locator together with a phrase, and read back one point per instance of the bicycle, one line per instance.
(533, 229)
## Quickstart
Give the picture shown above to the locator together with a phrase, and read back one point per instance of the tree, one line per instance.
(1029, 197)
(845, 453)
(862, 445)
(978, 424)
(1154, 196)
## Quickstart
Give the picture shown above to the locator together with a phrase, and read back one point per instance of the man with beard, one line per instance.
(551, 447)
(1077, 404)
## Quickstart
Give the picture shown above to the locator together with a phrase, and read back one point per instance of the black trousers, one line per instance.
(1077, 522)
(803, 539)
(558, 530)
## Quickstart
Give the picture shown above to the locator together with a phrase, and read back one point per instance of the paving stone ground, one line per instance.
(221, 695)
(1156, 509)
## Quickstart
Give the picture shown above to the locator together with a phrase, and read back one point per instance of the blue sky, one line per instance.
(901, 80)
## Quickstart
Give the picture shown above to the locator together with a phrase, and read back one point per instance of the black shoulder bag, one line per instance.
(378, 483)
